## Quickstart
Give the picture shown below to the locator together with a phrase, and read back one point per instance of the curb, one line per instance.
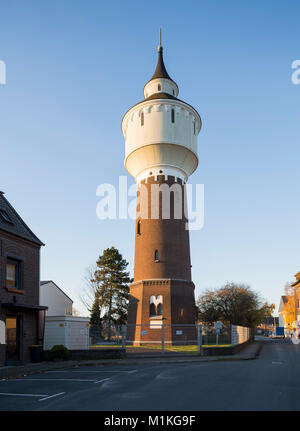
(19, 371)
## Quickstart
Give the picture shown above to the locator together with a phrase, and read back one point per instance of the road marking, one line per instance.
(162, 377)
(23, 395)
(276, 362)
(51, 396)
(53, 380)
(90, 371)
(103, 380)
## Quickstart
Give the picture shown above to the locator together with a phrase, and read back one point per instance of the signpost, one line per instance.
(218, 326)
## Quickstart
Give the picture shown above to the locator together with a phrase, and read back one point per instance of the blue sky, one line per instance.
(73, 70)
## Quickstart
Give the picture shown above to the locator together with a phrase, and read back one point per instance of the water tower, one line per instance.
(161, 153)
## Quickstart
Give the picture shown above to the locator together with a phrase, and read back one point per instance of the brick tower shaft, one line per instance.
(161, 153)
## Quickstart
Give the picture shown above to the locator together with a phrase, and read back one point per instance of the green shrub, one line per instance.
(59, 352)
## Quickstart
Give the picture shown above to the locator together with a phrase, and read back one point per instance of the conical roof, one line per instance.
(161, 71)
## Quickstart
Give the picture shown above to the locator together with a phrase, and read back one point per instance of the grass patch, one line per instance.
(168, 348)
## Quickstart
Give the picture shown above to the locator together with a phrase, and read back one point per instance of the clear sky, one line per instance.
(74, 67)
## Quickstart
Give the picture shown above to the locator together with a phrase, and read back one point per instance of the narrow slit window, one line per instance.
(142, 119)
(159, 87)
(194, 128)
(139, 227)
(156, 255)
(173, 115)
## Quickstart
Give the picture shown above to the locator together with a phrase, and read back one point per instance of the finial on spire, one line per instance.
(159, 46)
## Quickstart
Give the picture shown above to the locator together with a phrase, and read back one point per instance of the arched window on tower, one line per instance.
(173, 115)
(142, 119)
(159, 87)
(138, 228)
(156, 256)
(194, 127)
(156, 305)
(159, 309)
(152, 310)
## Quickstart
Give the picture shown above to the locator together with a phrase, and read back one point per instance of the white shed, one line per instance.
(71, 331)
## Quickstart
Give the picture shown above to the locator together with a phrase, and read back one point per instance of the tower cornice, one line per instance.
(161, 101)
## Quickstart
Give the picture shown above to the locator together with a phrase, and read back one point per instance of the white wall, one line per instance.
(2, 332)
(239, 334)
(159, 142)
(55, 333)
(57, 302)
(281, 321)
(71, 331)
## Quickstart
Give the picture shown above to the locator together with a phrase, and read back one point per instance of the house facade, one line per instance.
(286, 313)
(296, 286)
(21, 316)
(57, 301)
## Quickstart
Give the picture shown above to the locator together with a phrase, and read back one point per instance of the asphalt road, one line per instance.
(271, 382)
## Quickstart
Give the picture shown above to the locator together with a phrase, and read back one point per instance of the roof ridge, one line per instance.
(34, 237)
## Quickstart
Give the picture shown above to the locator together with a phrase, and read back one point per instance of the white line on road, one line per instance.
(103, 380)
(23, 395)
(53, 380)
(51, 396)
(90, 371)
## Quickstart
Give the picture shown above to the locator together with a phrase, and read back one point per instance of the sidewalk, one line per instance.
(248, 353)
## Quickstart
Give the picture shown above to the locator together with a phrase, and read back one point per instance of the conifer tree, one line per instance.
(112, 294)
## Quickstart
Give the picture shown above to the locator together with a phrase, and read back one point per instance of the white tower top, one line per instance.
(161, 131)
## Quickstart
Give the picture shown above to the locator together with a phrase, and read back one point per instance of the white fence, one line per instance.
(76, 334)
(239, 334)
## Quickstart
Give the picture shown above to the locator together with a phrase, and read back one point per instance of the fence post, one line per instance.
(162, 338)
(200, 339)
(124, 337)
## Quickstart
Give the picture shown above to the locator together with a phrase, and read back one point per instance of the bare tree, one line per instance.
(288, 289)
(75, 312)
(91, 288)
(235, 304)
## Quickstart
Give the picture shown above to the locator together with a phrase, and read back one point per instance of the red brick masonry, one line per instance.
(169, 275)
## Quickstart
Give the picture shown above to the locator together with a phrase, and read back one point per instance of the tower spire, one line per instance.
(160, 71)
(160, 45)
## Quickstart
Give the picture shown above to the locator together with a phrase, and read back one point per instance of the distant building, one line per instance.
(61, 327)
(57, 301)
(296, 286)
(287, 313)
(268, 324)
(21, 316)
(296, 323)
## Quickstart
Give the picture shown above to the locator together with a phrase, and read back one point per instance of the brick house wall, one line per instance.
(28, 254)
(19, 298)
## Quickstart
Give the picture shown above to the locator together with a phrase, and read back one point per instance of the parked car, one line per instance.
(267, 333)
